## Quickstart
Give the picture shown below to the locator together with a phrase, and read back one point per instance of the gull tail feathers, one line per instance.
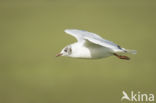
(129, 51)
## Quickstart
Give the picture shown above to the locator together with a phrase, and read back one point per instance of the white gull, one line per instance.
(92, 46)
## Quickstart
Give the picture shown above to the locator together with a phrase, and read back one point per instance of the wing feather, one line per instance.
(81, 35)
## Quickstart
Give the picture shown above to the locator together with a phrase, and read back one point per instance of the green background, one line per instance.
(32, 32)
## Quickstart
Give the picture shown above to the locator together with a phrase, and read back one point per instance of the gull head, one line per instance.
(66, 51)
(75, 50)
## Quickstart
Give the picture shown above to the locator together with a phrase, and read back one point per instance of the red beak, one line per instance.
(59, 54)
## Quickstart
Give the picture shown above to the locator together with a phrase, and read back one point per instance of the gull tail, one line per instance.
(129, 51)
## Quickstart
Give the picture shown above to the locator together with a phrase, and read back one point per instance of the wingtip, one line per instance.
(66, 30)
(69, 30)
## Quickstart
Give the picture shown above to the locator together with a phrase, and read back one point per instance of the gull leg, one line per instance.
(122, 57)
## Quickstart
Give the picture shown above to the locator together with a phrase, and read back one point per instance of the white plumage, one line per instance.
(91, 45)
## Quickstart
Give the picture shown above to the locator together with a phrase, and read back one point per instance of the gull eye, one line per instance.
(65, 50)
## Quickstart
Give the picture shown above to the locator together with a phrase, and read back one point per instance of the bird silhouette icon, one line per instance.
(125, 96)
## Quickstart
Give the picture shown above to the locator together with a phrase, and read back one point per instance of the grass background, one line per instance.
(32, 32)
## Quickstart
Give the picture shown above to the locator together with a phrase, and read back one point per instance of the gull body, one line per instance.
(90, 45)
(86, 50)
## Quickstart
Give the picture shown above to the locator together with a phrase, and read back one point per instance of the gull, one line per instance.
(92, 46)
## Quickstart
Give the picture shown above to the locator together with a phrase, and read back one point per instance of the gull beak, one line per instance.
(59, 54)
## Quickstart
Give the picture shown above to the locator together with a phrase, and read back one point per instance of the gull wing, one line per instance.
(81, 35)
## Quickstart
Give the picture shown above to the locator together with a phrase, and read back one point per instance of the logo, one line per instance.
(137, 96)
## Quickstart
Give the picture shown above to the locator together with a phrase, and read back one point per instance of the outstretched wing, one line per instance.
(81, 35)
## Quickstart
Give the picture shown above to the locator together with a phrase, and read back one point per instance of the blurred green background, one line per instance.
(32, 32)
